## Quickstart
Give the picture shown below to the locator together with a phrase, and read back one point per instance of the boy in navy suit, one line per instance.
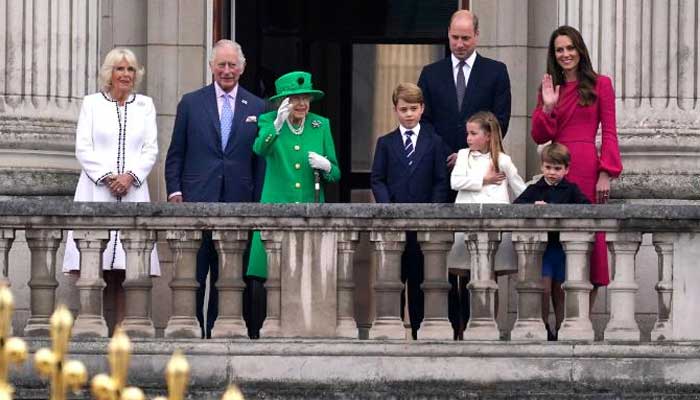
(409, 167)
(553, 188)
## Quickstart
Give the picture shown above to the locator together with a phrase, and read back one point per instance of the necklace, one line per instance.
(299, 130)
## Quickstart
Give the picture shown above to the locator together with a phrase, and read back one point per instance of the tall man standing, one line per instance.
(454, 89)
(211, 157)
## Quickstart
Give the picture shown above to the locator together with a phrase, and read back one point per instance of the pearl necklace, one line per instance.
(299, 130)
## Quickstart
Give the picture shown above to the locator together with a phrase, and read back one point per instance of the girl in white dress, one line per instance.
(116, 146)
(483, 173)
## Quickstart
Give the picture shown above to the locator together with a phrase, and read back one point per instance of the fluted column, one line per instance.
(7, 236)
(623, 288)
(230, 246)
(183, 321)
(50, 61)
(90, 321)
(273, 247)
(138, 245)
(663, 243)
(482, 286)
(346, 326)
(529, 247)
(43, 244)
(577, 320)
(387, 288)
(435, 246)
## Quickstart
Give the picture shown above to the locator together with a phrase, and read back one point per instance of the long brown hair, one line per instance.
(489, 124)
(585, 73)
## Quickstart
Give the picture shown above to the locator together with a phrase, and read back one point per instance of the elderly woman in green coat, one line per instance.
(297, 146)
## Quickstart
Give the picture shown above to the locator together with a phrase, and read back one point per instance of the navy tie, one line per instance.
(408, 147)
(460, 84)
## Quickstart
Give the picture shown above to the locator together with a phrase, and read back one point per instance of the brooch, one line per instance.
(316, 123)
(251, 118)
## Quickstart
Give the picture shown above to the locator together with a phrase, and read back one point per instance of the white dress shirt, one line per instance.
(414, 137)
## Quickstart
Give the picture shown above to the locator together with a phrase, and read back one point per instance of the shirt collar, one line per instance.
(476, 153)
(415, 129)
(220, 92)
(552, 183)
(469, 61)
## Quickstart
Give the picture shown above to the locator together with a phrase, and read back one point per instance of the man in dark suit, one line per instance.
(455, 88)
(409, 167)
(211, 159)
(462, 84)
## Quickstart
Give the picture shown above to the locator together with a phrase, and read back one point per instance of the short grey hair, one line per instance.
(228, 43)
(113, 58)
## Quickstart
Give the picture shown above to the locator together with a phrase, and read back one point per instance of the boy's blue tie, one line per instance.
(408, 147)
(226, 122)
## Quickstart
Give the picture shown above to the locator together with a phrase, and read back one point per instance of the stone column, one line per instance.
(230, 245)
(387, 324)
(273, 246)
(138, 245)
(623, 288)
(482, 248)
(663, 328)
(90, 321)
(50, 61)
(529, 247)
(7, 236)
(43, 244)
(346, 326)
(435, 246)
(183, 321)
(577, 320)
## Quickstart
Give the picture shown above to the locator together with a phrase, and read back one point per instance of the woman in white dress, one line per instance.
(116, 145)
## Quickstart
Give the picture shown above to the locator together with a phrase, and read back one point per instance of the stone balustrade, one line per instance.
(310, 255)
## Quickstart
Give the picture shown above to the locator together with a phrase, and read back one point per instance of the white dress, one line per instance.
(468, 177)
(110, 141)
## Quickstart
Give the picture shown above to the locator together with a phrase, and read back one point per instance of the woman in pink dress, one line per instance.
(573, 103)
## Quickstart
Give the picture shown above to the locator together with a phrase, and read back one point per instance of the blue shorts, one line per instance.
(554, 262)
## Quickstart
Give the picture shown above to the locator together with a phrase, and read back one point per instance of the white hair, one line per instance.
(228, 43)
(114, 57)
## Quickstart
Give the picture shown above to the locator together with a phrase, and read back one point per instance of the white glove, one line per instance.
(282, 114)
(317, 161)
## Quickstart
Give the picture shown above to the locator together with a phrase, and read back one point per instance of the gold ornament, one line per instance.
(233, 393)
(112, 387)
(177, 376)
(12, 350)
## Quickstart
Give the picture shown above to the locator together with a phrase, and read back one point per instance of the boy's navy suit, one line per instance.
(425, 181)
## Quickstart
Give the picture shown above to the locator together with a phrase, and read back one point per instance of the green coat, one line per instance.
(288, 176)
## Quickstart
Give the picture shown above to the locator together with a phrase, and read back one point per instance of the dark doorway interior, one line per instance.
(318, 36)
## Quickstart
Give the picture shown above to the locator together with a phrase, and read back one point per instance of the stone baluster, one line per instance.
(435, 246)
(529, 247)
(389, 246)
(230, 245)
(7, 236)
(43, 244)
(663, 243)
(90, 321)
(272, 327)
(482, 248)
(138, 244)
(346, 326)
(183, 321)
(577, 321)
(623, 289)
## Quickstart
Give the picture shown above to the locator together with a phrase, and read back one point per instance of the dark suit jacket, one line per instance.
(196, 165)
(563, 193)
(393, 181)
(488, 89)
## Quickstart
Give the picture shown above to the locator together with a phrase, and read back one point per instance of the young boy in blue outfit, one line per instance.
(553, 188)
(409, 167)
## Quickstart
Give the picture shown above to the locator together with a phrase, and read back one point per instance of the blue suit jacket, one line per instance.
(488, 89)
(393, 181)
(198, 167)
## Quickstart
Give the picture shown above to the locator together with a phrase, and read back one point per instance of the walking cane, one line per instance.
(317, 186)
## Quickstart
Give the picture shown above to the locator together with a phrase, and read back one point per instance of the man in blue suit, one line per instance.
(211, 157)
(455, 88)
(409, 167)
(462, 84)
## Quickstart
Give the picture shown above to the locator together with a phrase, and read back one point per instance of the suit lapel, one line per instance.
(240, 112)
(449, 84)
(473, 82)
(212, 108)
(423, 144)
(396, 143)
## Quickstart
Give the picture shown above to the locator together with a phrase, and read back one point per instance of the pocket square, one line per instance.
(251, 118)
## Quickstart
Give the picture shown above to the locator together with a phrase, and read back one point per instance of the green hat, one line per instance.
(297, 82)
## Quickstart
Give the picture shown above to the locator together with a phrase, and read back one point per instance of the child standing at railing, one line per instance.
(483, 173)
(553, 188)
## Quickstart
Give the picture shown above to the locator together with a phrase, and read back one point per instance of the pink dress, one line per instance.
(576, 127)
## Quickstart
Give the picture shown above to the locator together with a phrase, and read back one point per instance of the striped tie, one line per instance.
(408, 147)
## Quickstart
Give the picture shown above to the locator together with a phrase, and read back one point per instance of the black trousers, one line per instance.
(412, 275)
(458, 302)
(207, 263)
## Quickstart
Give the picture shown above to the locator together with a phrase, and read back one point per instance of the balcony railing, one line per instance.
(311, 251)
